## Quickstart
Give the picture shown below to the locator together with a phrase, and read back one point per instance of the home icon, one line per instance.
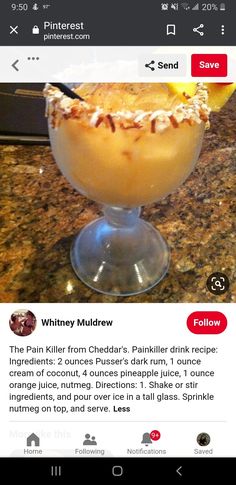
(33, 439)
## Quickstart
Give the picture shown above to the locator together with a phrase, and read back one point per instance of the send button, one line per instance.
(163, 65)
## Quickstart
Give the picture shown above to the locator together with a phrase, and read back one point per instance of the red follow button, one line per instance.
(207, 322)
(209, 65)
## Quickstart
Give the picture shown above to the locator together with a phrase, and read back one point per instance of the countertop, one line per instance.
(41, 213)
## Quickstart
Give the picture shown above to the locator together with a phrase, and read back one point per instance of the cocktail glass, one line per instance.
(124, 155)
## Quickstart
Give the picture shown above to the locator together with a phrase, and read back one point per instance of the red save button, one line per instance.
(207, 322)
(209, 65)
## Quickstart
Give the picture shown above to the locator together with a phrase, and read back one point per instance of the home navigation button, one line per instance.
(117, 471)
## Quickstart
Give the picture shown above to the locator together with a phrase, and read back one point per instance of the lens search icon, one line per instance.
(218, 283)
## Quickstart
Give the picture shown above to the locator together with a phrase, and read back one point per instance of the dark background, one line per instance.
(123, 22)
(99, 470)
(22, 109)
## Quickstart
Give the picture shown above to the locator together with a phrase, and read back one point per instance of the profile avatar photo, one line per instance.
(22, 323)
(203, 439)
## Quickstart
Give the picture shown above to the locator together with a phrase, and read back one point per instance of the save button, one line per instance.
(209, 65)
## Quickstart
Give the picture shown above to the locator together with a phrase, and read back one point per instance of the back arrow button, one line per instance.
(14, 65)
(179, 471)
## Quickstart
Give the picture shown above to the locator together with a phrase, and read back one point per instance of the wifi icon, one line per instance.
(185, 6)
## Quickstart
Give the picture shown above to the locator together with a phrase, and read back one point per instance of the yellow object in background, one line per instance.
(219, 93)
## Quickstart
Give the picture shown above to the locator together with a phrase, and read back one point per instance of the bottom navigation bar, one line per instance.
(122, 470)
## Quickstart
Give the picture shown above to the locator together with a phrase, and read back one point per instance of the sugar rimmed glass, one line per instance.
(123, 169)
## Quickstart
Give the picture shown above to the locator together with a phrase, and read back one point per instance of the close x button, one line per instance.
(209, 65)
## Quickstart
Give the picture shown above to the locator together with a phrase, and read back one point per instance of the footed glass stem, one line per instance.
(120, 254)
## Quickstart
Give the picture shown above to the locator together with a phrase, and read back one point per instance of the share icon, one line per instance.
(150, 65)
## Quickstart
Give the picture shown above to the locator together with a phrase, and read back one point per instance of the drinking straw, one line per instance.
(67, 91)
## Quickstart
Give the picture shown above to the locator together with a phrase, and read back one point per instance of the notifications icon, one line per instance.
(148, 438)
(171, 29)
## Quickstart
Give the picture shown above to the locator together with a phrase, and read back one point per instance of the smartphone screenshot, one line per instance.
(117, 241)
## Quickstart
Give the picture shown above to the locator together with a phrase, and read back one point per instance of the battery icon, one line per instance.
(222, 6)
